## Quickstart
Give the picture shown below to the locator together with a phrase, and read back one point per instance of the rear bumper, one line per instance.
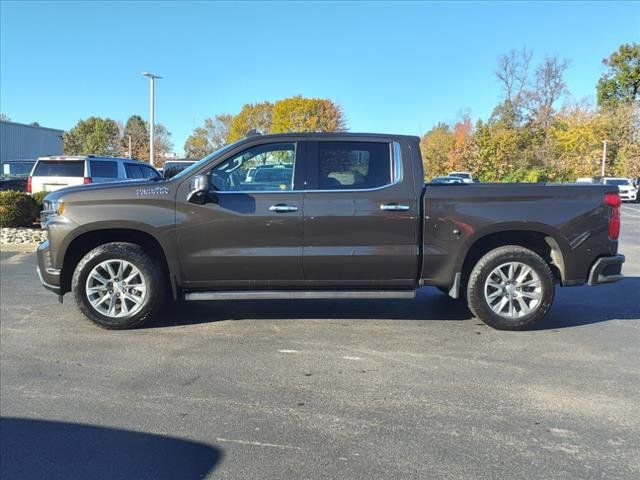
(49, 277)
(606, 270)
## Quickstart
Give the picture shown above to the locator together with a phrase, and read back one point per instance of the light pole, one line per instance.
(152, 79)
(604, 157)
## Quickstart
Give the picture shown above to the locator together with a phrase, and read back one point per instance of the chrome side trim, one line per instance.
(299, 294)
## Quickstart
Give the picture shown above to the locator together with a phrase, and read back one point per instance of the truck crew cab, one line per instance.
(324, 215)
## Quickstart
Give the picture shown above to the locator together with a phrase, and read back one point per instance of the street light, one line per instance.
(152, 79)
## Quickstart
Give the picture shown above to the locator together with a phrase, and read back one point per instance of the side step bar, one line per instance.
(299, 294)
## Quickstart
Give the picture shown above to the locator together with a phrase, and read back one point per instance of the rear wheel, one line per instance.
(510, 288)
(118, 286)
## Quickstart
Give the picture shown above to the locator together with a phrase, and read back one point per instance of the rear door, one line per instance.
(52, 175)
(249, 234)
(360, 217)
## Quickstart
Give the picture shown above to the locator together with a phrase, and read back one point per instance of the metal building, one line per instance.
(18, 141)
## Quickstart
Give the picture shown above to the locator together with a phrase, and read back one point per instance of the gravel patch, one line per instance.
(22, 236)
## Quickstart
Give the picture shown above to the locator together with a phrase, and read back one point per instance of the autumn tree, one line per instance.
(95, 135)
(257, 116)
(299, 114)
(621, 82)
(435, 146)
(210, 137)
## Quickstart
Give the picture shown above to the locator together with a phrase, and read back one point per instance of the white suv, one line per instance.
(626, 189)
(53, 173)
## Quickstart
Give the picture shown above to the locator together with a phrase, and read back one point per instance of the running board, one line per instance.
(299, 294)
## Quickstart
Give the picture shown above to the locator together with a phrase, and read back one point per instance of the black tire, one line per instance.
(480, 307)
(148, 267)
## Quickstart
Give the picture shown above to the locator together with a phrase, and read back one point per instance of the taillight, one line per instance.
(28, 184)
(613, 200)
(86, 180)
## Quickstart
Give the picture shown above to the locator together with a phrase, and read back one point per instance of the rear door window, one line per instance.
(59, 168)
(104, 169)
(350, 165)
(133, 171)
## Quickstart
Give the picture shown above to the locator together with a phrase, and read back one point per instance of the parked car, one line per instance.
(173, 167)
(447, 179)
(14, 174)
(628, 191)
(585, 180)
(53, 173)
(465, 176)
(355, 221)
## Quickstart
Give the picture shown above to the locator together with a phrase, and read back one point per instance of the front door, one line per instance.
(360, 219)
(249, 235)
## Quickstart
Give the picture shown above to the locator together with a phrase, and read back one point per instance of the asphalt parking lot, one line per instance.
(320, 389)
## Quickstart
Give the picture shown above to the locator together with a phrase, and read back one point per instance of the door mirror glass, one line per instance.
(198, 189)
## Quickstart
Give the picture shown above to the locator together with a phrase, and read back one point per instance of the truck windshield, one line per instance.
(187, 171)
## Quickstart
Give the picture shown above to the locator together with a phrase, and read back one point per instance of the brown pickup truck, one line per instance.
(308, 216)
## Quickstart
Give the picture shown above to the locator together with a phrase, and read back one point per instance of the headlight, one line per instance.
(55, 207)
(50, 209)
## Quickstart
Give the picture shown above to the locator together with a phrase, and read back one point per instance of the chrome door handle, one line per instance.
(282, 208)
(394, 207)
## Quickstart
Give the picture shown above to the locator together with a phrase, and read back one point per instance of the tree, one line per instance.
(207, 139)
(549, 86)
(197, 144)
(252, 115)
(299, 114)
(4, 118)
(137, 130)
(95, 135)
(435, 147)
(621, 83)
(513, 74)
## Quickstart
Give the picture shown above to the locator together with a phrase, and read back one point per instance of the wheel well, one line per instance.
(541, 243)
(86, 242)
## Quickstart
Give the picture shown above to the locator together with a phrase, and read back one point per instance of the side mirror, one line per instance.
(198, 189)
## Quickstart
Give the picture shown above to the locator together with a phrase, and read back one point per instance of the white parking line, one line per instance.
(258, 444)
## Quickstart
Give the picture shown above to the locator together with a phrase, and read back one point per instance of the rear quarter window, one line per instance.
(103, 169)
(133, 171)
(59, 168)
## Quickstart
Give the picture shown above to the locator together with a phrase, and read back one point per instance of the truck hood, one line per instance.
(94, 190)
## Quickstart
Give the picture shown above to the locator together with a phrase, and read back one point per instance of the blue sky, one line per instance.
(394, 67)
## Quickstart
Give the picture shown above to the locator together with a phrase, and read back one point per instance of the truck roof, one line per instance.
(355, 135)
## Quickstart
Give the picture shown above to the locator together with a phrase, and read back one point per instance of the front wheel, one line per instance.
(510, 288)
(118, 285)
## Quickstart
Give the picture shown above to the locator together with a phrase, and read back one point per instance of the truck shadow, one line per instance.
(47, 449)
(573, 307)
(429, 304)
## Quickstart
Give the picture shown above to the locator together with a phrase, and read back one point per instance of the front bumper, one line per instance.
(606, 270)
(49, 277)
